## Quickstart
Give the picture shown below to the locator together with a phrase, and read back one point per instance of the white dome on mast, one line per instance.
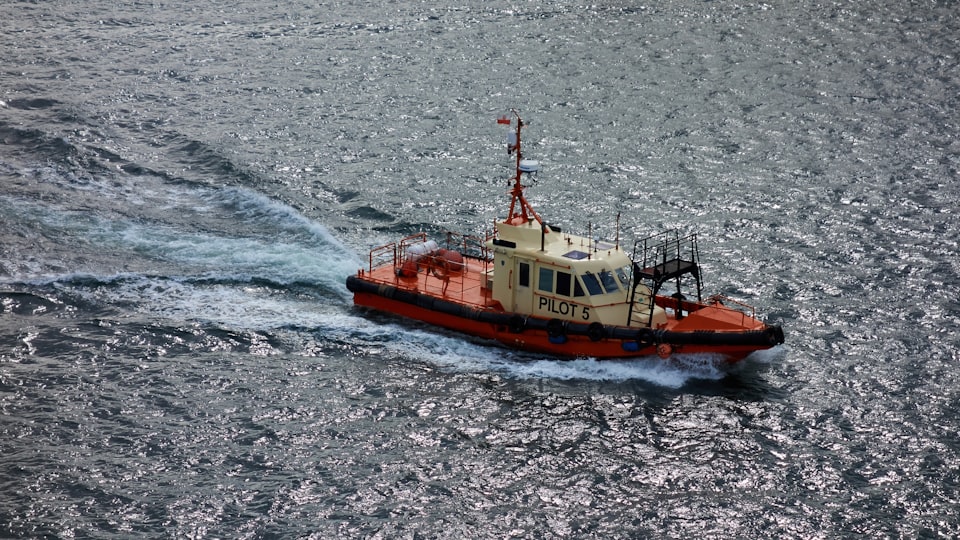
(529, 166)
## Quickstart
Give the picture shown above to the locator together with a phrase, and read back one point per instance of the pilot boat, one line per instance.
(531, 286)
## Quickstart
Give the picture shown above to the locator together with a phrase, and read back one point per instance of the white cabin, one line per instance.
(543, 272)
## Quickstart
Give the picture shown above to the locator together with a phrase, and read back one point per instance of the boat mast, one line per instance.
(516, 193)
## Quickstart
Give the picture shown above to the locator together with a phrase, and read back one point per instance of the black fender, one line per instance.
(556, 328)
(596, 331)
(645, 337)
(517, 324)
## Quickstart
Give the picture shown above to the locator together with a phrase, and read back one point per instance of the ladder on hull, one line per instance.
(658, 260)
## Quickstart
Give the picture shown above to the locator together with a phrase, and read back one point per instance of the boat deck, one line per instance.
(467, 287)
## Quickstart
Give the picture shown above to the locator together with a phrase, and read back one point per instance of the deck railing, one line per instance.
(473, 248)
(468, 245)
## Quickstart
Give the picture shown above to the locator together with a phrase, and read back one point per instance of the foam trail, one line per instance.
(304, 251)
(653, 370)
(255, 207)
(276, 244)
(244, 259)
(770, 356)
(233, 305)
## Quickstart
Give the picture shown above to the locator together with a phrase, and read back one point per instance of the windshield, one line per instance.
(609, 284)
(592, 284)
(624, 274)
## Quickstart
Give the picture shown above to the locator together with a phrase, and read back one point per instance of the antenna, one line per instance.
(523, 166)
(618, 231)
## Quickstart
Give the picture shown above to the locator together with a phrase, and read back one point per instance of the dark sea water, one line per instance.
(184, 187)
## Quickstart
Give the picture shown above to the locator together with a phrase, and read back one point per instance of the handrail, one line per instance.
(407, 241)
(468, 245)
(381, 255)
(721, 300)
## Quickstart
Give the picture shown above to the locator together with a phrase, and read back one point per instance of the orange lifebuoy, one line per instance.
(439, 268)
(664, 350)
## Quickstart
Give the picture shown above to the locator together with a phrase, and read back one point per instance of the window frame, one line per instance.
(523, 274)
(545, 272)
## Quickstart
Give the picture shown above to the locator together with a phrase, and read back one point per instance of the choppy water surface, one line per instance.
(185, 188)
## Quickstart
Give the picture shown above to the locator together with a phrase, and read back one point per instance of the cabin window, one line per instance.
(624, 274)
(592, 284)
(546, 280)
(524, 277)
(577, 288)
(609, 283)
(563, 283)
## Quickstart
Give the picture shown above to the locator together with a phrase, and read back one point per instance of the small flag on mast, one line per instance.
(504, 120)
